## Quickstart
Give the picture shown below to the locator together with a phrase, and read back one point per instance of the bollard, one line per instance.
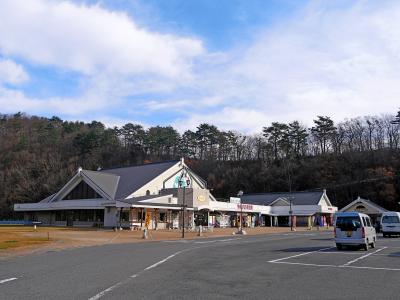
(145, 236)
(200, 230)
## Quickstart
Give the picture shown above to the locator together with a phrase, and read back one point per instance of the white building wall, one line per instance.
(110, 217)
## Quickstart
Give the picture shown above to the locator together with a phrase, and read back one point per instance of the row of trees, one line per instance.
(38, 155)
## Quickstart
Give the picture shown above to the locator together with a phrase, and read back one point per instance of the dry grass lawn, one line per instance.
(21, 240)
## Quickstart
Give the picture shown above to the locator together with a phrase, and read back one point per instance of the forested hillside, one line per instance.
(357, 157)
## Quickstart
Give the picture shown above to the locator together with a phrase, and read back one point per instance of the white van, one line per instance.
(353, 228)
(390, 223)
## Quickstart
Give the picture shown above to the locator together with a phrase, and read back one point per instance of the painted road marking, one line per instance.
(7, 280)
(301, 254)
(216, 241)
(334, 266)
(362, 257)
(102, 293)
(163, 260)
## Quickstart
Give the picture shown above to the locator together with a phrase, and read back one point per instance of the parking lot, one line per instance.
(386, 256)
(300, 265)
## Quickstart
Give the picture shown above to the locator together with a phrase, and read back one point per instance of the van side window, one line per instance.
(364, 221)
(369, 222)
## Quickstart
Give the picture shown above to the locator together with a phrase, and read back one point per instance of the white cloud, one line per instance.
(12, 101)
(342, 61)
(10, 72)
(229, 118)
(91, 39)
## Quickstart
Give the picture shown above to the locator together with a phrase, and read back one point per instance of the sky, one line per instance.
(237, 64)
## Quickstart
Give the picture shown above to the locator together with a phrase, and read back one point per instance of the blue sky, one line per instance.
(237, 64)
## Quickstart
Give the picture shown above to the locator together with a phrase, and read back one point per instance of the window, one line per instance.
(390, 219)
(84, 215)
(61, 216)
(82, 191)
(163, 217)
(147, 193)
(124, 216)
(364, 221)
(139, 216)
(99, 215)
(369, 222)
(348, 223)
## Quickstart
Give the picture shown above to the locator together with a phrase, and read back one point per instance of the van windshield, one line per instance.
(390, 219)
(348, 223)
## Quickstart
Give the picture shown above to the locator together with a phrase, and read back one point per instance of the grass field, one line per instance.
(20, 240)
(21, 236)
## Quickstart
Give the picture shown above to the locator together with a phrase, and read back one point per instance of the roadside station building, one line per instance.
(366, 207)
(307, 208)
(154, 194)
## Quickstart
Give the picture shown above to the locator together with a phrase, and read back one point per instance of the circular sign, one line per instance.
(201, 198)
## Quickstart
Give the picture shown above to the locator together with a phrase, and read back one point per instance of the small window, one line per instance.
(147, 193)
(364, 221)
(162, 217)
(60, 215)
(125, 216)
(139, 216)
(369, 222)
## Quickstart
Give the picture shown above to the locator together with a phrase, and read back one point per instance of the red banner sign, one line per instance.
(245, 206)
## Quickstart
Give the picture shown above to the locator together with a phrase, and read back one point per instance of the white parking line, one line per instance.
(7, 280)
(301, 254)
(216, 241)
(362, 257)
(163, 260)
(334, 266)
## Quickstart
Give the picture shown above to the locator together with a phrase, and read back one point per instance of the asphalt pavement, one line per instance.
(276, 266)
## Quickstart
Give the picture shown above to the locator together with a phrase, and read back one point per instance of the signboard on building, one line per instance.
(234, 200)
(245, 206)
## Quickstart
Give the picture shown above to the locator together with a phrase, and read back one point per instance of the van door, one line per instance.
(348, 227)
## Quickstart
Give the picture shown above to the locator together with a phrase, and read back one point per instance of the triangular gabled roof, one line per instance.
(133, 178)
(365, 202)
(107, 183)
(280, 200)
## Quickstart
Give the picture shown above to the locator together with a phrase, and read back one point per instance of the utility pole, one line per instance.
(290, 213)
(183, 211)
(240, 231)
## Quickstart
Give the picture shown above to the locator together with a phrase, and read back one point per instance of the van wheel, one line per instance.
(373, 245)
(339, 246)
(366, 246)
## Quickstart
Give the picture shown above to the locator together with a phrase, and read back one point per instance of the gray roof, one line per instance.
(298, 198)
(48, 199)
(108, 183)
(133, 178)
(142, 198)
